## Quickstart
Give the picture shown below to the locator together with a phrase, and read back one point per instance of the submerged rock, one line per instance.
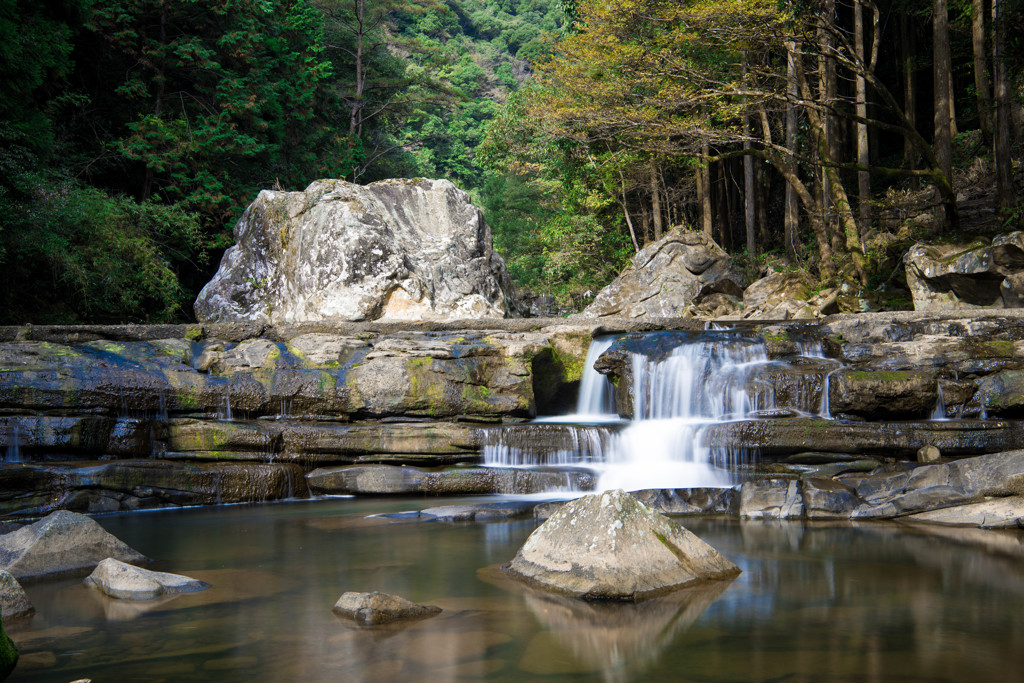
(380, 608)
(612, 546)
(61, 543)
(392, 250)
(126, 582)
(14, 602)
(667, 276)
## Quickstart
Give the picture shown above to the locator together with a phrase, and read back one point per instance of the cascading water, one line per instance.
(703, 380)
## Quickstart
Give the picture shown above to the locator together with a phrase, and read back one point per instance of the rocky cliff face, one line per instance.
(393, 250)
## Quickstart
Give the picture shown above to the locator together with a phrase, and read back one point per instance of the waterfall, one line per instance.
(13, 452)
(939, 413)
(596, 392)
(700, 383)
(681, 384)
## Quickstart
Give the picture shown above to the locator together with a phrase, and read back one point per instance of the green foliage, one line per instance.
(74, 253)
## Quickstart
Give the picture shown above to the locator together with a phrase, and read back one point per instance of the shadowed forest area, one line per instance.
(820, 136)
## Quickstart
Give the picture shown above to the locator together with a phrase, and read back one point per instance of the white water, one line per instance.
(596, 397)
(674, 400)
(707, 381)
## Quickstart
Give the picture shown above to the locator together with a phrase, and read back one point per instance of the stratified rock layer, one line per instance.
(612, 546)
(392, 250)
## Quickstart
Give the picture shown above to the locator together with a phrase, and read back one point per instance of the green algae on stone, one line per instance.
(8, 654)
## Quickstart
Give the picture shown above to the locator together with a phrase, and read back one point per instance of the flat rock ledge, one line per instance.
(612, 546)
(126, 582)
(984, 491)
(370, 609)
(61, 544)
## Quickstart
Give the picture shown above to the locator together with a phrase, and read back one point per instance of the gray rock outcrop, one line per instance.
(127, 582)
(392, 250)
(666, 276)
(60, 544)
(14, 602)
(612, 546)
(975, 276)
(375, 608)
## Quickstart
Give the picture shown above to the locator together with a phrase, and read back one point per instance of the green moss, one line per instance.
(775, 338)
(194, 333)
(8, 655)
(999, 348)
(880, 376)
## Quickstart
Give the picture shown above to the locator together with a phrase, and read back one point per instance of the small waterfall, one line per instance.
(939, 414)
(597, 395)
(823, 409)
(13, 452)
(546, 444)
(225, 413)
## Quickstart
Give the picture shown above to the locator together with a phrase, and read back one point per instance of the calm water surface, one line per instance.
(816, 602)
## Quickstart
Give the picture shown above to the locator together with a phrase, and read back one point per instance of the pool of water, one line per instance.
(814, 602)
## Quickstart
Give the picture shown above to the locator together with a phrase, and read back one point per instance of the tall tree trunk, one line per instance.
(1002, 118)
(704, 180)
(982, 88)
(861, 108)
(656, 203)
(748, 176)
(907, 52)
(791, 221)
(941, 67)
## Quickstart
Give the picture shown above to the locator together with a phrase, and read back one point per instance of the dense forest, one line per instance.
(822, 136)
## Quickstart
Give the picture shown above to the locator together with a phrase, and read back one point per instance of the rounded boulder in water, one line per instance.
(611, 546)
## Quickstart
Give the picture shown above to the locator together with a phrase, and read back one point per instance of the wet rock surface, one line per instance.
(981, 491)
(388, 480)
(392, 250)
(611, 546)
(60, 544)
(371, 609)
(126, 582)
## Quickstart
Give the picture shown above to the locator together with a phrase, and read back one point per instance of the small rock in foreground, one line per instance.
(126, 582)
(380, 608)
(59, 544)
(14, 603)
(612, 546)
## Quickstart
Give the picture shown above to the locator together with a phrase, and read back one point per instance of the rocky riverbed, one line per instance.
(104, 418)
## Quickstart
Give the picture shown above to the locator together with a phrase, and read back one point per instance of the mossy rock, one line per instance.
(8, 655)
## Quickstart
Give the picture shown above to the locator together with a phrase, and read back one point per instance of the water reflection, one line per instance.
(616, 639)
(816, 602)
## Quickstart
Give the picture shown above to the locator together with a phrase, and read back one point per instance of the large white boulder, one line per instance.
(665, 277)
(611, 546)
(61, 543)
(392, 250)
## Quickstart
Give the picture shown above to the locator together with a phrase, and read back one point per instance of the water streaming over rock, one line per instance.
(12, 454)
(679, 385)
